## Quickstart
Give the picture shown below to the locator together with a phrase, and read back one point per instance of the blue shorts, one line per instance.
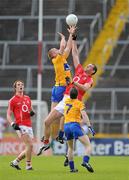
(73, 130)
(57, 93)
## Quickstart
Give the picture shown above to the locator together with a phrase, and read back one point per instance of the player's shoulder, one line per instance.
(68, 100)
(12, 98)
(79, 68)
(79, 103)
(26, 96)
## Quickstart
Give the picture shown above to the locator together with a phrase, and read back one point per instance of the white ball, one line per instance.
(71, 20)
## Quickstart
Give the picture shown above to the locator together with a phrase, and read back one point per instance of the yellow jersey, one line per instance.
(72, 110)
(62, 69)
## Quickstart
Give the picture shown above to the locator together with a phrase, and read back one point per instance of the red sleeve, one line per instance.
(11, 105)
(79, 69)
(90, 81)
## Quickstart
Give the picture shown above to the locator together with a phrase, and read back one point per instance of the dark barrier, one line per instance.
(108, 146)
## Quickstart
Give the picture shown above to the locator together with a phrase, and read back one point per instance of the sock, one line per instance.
(61, 134)
(46, 141)
(86, 159)
(71, 164)
(20, 158)
(28, 164)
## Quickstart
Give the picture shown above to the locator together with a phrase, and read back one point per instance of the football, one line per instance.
(71, 20)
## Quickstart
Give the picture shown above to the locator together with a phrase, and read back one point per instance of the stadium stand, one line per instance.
(18, 53)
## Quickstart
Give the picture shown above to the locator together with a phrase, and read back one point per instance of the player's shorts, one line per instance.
(27, 130)
(60, 106)
(73, 130)
(57, 93)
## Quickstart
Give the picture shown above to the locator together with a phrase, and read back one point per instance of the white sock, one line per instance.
(15, 162)
(28, 167)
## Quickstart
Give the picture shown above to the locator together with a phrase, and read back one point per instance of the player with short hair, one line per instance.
(62, 69)
(21, 107)
(82, 80)
(73, 111)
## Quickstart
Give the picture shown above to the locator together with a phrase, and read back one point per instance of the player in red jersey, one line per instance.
(20, 106)
(82, 80)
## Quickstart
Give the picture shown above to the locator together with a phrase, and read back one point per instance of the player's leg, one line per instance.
(86, 142)
(56, 129)
(85, 130)
(29, 146)
(55, 124)
(70, 156)
(60, 137)
(53, 115)
(69, 137)
(15, 162)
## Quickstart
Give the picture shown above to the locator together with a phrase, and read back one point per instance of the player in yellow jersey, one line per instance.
(62, 73)
(74, 110)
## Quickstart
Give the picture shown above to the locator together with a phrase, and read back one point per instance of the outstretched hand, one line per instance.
(72, 29)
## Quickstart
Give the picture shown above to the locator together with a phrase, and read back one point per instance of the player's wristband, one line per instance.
(12, 123)
(91, 130)
(74, 37)
(32, 113)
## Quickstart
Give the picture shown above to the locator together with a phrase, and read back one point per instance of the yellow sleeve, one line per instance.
(81, 106)
(65, 55)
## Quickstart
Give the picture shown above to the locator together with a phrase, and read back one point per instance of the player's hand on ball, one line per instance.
(72, 29)
(92, 131)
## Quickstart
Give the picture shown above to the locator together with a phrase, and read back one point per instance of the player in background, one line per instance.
(62, 71)
(73, 111)
(82, 81)
(21, 107)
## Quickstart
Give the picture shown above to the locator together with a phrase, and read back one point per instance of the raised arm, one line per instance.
(68, 48)
(62, 43)
(85, 118)
(75, 54)
(83, 87)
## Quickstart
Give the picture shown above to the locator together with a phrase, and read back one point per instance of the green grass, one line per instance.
(51, 168)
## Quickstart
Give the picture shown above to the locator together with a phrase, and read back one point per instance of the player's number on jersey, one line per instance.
(69, 106)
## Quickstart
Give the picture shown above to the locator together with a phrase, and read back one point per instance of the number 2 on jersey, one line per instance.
(69, 107)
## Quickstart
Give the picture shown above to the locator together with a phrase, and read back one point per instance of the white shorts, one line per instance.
(60, 106)
(26, 130)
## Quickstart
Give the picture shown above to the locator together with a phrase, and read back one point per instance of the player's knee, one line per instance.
(89, 148)
(30, 145)
(46, 123)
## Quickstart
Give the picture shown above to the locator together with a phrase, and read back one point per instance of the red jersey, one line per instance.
(82, 78)
(21, 106)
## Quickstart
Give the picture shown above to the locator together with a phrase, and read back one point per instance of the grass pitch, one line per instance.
(51, 168)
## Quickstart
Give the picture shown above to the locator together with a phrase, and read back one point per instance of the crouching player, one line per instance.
(74, 109)
(20, 106)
